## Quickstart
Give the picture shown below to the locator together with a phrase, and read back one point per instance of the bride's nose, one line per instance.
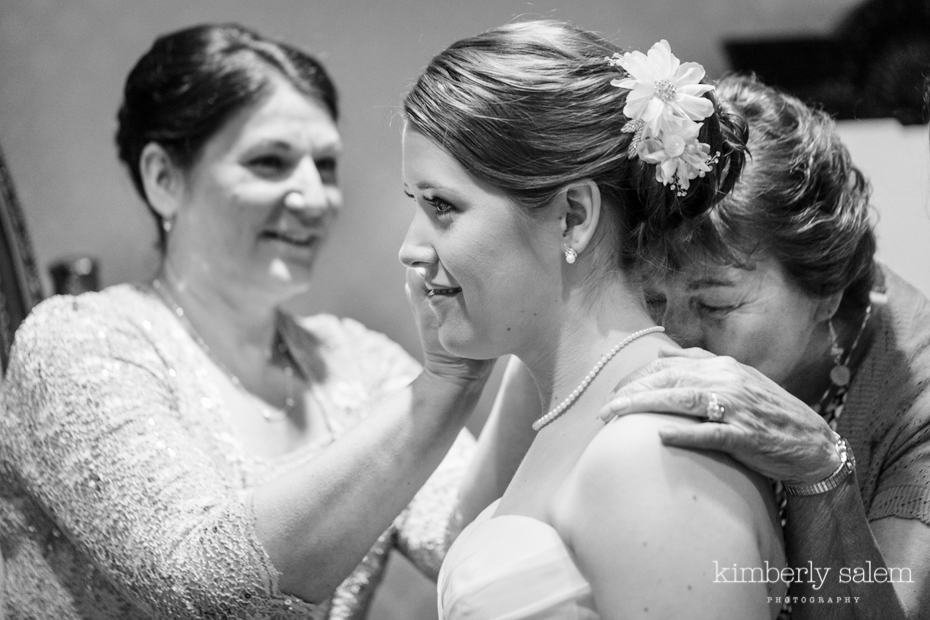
(417, 250)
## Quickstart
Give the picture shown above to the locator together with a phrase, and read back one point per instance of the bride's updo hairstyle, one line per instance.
(532, 106)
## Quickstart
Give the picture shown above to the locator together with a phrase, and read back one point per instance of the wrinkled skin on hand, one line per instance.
(764, 427)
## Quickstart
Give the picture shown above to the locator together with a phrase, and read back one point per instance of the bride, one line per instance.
(544, 165)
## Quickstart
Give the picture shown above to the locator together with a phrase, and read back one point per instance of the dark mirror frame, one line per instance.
(20, 287)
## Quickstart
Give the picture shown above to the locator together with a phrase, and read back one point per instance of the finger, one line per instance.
(691, 353)
(702, 436)
(649, 376)
(682, 401)
(661, 374)
(415, 287)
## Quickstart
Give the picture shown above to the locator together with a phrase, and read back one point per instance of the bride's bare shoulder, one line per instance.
(626, 466)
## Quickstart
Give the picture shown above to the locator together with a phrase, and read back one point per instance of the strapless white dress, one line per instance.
(512, 567)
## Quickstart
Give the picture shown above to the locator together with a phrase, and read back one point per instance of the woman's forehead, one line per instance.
(699, 275)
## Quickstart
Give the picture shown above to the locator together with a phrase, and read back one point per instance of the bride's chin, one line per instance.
(468, 348)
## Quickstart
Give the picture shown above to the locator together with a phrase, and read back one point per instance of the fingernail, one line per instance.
(668, 434)
(613, 408)
(620, 404)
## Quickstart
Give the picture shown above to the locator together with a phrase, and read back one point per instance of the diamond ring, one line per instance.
(715, 408)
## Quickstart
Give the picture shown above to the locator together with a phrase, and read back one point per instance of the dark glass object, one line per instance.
(74, 275)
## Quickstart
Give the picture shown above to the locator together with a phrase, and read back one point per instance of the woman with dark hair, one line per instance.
(544, 163)
(824, 377)
(182, 447)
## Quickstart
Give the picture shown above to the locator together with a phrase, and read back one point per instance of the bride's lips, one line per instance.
(442, 291)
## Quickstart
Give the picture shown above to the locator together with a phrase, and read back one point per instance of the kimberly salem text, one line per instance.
(814, 575)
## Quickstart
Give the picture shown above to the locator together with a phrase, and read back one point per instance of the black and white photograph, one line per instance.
(488, 310)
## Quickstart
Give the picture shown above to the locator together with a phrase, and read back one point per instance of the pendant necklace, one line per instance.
(830, 403)
(269, 413)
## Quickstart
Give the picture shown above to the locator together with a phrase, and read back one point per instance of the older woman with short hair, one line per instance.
(824, 377)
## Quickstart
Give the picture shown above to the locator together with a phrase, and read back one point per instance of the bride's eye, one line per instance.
(441, 208)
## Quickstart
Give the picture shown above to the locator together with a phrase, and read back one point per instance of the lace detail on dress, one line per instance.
(121, 494)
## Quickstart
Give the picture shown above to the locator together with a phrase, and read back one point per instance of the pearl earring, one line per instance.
(166, 224)
(570, 255)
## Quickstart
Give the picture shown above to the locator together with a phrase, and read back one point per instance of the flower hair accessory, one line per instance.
(666, 105)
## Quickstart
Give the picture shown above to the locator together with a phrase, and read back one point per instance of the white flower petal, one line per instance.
(636, 103)
(689, 73)
(695, 90)
(664, 63)
(650, 151)
(661, 60)
(628, 83)
(696, 108)
(665, 171)
(653, 114)
(637, 65)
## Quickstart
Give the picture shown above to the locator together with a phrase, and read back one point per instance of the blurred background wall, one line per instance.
(62, 65)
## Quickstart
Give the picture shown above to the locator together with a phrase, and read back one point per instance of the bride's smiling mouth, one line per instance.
(443, 292)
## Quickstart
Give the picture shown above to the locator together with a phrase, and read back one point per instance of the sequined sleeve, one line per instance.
(93, 435)
(429, 525)
(425, 529)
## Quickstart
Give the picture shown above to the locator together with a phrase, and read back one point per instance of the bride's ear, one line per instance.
(581, 210)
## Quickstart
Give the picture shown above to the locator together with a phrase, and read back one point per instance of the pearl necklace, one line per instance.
(563, 406)
(269, 414)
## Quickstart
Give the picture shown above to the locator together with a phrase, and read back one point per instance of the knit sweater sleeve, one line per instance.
(892, 418)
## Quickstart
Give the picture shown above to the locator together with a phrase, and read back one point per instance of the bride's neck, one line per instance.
(560, 361)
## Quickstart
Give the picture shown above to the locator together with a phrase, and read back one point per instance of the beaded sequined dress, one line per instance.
(122, 494)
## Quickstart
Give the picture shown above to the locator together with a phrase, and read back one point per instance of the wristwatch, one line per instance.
(846, 468)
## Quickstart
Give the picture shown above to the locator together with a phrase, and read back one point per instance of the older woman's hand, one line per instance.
(436, 359)
(762, 426)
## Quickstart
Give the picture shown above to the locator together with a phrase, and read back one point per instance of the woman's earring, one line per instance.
(166, 224)
(570, 255)
(839, 374)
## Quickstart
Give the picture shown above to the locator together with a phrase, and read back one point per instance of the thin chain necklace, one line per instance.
(563, 406)
(269, 414)
(830, 404)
